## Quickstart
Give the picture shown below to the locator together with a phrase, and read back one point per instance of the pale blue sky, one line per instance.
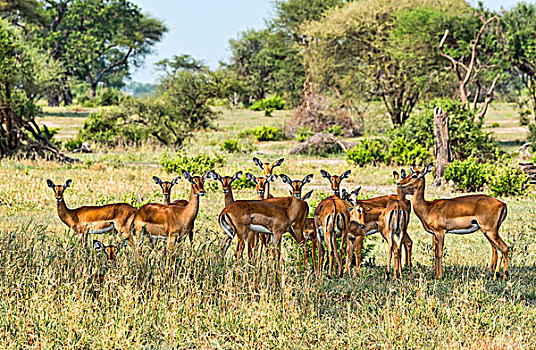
(203, 28)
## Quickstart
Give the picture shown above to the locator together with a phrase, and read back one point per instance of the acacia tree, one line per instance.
(380, 48)
(98, 40)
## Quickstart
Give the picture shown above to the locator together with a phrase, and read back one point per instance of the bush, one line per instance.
(303, 134)
(532, 136)
(468, 175)
(366, 152)
(197, 165)
(495, 125)
(72, 144)
(104, 97)
(243, 182)
(508, 182)
(335, 130)
(466, 135)
(231, 146)
(404, 152)
(270, 104)
(267, 133)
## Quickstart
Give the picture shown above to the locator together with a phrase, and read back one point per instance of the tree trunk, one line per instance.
(67, 96)
(92, 89)
(443, 151)
(53, 99)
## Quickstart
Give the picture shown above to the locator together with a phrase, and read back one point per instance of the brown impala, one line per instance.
(242, 216)
(171, 221)
(94, 219)
(459, 215)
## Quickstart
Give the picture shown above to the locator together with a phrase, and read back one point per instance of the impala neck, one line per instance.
(400, 194)
(167, 201)
(229, 197)
(65, 213)
(420, 205)
(294, 209)
(193, 205)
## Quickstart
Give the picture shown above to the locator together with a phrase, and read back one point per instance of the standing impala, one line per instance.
(171, 221)
(262, 185)
(166, 191)
(94, 219)
(267, 169)
(241, 216)
(331, 220)
(459, 215)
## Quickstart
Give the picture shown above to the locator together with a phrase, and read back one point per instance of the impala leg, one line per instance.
(225, 245)
(440, 241)
(305, 255)
(349, 254)
(329, 246)
(408, 247)
(358, 249)
(503, 248)
(314, 244)
(252, 242)
(338, 255)
(170, 241)
(494, 254)
(277, 247)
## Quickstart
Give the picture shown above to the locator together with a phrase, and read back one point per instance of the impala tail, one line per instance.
(227, 225)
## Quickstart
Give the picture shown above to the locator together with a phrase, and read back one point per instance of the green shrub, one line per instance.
(495, 125)
(468, 175)
(366, 152)
(303, 134)
(335, 130)
(508, 182)
(197, 165)
(267, 133)
(242, 183)
(231, 146)
(403, 152)
(466, 135)
(72, 144)
(532, 136)
(272, 103)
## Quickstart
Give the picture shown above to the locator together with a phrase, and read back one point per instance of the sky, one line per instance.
(202, 28)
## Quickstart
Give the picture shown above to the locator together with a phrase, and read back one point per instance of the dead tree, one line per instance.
(469, 73)
(443, 151)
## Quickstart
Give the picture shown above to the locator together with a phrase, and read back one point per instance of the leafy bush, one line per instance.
(243, 182)
(508, 182)
(267, 133)
(466, 135)
(231, 146)
(468, 175)
(104, 97)
(72, 144)
(403, 152)
(303, 134)
(366, 152)
(532, 136)
(335, 130)
(495, 125)
(197, 165)
(271, 103)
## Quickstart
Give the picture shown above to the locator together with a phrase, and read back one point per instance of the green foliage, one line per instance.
(495, 125)
(468, 175)
(404, 152)
(466, 135)
(335, 130)
(267, 133)
(303, 134)
(366, 152)
(272, 103)
(196, 165)
(242, 183)
(73, 143)
(104, 97)
(507, 181)
(532, 136)
(231, 146)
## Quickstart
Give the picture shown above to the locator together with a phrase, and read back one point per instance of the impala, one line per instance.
(267, 169)
(109, 250)
(309, 235)
(391, 221)
(93, 219)
(166, 190)
(459, 215)
(331, 220)
(171, 221)
(241, 216)
(262, 185)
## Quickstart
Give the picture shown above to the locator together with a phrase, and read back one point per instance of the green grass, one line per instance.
(51, 297)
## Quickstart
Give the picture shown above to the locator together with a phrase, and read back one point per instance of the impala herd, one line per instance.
(340, 219)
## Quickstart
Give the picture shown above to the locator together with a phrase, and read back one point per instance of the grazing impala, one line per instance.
(241, 216)
(331, 220)
(166, 191)
(459, 215)
(171, 221)
(94, 219)
(391, 221)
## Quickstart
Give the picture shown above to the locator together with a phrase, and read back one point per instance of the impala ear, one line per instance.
(251, 178)
(353, 198)
(258, 162)
(176, 180)
(395, 175)
(236, 176)
(272, 178)
(286, 179)
(413, 169)
(356, 191)
(308, 195)
(427, 169)
(278, 162)
(157, 180)
(403, 174)
(98, 245)
(215, 175)
(290, 191)
(345, 174)
(307, 179)
(50, 184)
(187, 175)
(325, 174)
(344, 194)
(68, 184)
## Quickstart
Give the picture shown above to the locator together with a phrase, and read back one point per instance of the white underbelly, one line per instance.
(259, 228)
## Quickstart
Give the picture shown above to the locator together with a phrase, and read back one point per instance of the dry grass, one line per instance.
(52, 299)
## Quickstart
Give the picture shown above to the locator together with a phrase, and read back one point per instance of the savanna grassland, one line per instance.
(52, 295)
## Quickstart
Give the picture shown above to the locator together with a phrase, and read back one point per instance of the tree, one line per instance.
(519, 27)
(26, 74)
(379, 48)
(98, 40)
